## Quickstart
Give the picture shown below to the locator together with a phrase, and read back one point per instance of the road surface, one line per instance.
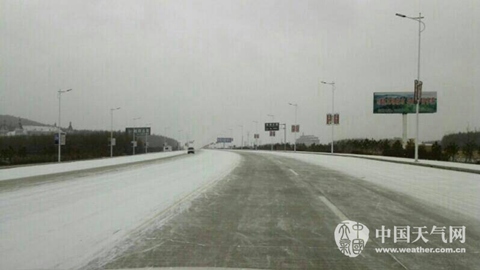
(223, 209)
(280, 213)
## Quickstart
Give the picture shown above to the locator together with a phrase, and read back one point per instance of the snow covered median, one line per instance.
(45, 169)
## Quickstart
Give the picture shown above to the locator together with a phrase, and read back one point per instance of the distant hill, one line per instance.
(12, 121)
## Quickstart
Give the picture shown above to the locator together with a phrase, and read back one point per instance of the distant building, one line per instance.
(3, 129)
(40, 130)
(308, 140)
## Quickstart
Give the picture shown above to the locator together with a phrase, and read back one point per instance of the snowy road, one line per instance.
(63, 223)
(270, 210)
(279, 212)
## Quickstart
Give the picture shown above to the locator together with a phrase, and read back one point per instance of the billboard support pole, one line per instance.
(404, 129)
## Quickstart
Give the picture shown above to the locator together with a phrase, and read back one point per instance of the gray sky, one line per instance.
(205, 67)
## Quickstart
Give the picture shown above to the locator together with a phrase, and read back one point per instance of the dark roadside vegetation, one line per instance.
(81, 145)
(458, 147)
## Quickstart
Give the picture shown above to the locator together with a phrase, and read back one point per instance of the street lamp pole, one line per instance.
(165, 138)
(417, 106)
(256, 132)
(179, 138)
(146, 139)
(295, 133)
(60, 92)
(333, 110)
(271, 138)
(134, 141)
(111, 130)
(242, 135)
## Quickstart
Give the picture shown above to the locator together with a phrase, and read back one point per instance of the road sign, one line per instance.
(272, 133)
(329, 118)
(63, 138)
(272, 126)
(138, 131)
(134, 143)
(113, 141)
(224, 140)
(256, 136)
(295, 128)
(403, 102)
(417, 91)
(336, 119)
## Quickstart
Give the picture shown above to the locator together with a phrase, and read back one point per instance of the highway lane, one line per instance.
(65, 220)
(280, 213)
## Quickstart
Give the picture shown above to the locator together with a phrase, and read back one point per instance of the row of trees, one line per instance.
(453, 147)
(79, 146)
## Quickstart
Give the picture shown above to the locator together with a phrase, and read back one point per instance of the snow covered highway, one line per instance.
(62, 224)
(241, 209)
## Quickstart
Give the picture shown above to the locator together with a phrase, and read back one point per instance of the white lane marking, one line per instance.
(342, 217)
(294, 172)
(334, 209)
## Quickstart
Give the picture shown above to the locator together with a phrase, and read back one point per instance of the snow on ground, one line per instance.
(44, 169)
(457, 191)
(423, 161)
(65, 224)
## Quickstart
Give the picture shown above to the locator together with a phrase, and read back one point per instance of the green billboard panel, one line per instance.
(403, 102)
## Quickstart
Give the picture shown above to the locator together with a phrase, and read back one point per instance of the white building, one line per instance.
(308, 140)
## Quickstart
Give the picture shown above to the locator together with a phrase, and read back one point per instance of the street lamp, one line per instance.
(256, 132)
(134, 141)
(60, 92)
(333, 109)
(179, 139)
(242, 135)
(295, 133)
(111, 130)
(271, 138)
(420, 30)
(146, 138)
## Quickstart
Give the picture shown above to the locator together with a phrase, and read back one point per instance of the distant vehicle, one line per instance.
(191, 150)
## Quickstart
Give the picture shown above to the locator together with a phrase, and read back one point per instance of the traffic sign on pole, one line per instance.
(418, 91)
(272, 126)
(329, 119)
(336, 119)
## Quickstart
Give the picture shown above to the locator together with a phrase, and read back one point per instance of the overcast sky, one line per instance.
(206, 67)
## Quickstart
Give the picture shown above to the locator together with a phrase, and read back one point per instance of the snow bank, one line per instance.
(45, 169)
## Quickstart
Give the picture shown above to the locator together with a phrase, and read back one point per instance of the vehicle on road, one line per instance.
(191, 150)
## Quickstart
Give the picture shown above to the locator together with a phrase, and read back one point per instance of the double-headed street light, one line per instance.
(111, 130)
(295, 133)
(333, 109)
(60, 92)
(420, 30)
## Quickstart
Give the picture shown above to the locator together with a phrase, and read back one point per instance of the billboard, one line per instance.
(138, 131)
(272, 126)
(403, 102)
(224, 140)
